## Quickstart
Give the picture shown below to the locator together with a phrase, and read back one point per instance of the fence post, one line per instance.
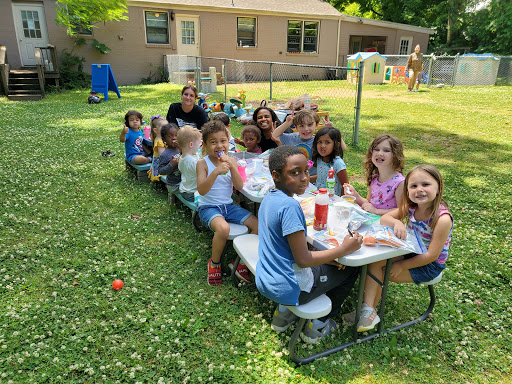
(270, 82)
(225, 81)
(455, 64)
(430, 69)
(355, 138)
(197, 74)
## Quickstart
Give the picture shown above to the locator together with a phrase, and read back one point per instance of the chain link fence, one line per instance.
(275, 83)
(458, 70)
(504, 76)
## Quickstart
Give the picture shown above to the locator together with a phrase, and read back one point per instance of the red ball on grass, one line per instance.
(117, 284)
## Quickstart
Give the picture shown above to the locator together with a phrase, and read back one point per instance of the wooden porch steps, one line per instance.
(24, 85)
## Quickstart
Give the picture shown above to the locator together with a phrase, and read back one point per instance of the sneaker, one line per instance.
(241, 272)
(312, 333)
(368, 320)
(214, 274)
(283, 320)
(351, 316)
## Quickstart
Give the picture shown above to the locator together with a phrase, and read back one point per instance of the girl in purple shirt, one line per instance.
(384, 165)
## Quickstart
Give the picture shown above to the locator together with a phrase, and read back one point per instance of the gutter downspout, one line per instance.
(338, 42)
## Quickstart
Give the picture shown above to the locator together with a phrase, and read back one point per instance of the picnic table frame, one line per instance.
(362, 258)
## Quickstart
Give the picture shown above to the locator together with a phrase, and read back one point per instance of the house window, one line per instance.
(302, 36)
(87, 31)
(246, 31)
(376, 68)
(188, 32)
(157, 27)
(464, 68)
(405, 46)
(31, 26)
(487, 68)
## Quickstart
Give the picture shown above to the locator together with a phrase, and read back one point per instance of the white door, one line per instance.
(30, 30)
(187, 33)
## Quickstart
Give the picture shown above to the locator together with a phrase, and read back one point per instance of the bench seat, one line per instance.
(140, 170)
(246, 247)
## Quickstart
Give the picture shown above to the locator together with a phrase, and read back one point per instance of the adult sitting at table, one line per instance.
(187, 112)
(266, 120)
(287, 272)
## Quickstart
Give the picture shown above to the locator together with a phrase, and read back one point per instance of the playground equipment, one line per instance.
(374, 64)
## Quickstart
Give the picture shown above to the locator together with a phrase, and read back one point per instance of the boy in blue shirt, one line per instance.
(287, 272)
(306, 121)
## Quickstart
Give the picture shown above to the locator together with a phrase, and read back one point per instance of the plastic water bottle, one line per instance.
(330, 182)
(307, 102)
(321, 210)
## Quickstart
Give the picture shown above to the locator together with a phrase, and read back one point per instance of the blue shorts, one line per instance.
(230, 212)
(132, 156)
(425, 272)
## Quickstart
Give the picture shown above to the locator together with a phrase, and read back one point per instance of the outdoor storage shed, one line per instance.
(374, 67)
(477, 69)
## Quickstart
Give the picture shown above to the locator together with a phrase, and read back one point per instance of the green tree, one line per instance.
(79, 15)
(457, 22)
(490, 29)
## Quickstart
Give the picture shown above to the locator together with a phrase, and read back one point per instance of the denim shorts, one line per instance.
(132, 156)
(425, 272)
(230, 212)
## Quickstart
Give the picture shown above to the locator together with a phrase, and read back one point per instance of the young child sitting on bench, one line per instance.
(168, 164)
(217, 174)
(189, 140)
(287, 272)
(132, 136)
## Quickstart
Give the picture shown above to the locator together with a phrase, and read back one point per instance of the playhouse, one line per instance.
(476, 69)
(374, 64)
(395, 74)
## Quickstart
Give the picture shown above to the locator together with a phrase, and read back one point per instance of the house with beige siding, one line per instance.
(287, 31)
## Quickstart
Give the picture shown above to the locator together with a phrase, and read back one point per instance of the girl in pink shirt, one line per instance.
(384, 165)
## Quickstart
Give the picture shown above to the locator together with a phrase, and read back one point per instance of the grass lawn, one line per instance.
(72, 221)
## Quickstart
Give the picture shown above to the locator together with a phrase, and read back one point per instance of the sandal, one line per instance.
(107, 153)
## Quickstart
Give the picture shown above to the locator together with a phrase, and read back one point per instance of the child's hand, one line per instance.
(336, 264)
(352, 243)
(368, 207)
(348, 189)
(222, 168)
(125, 129)
(224, 158)
(400, 230)
(238, 141)
(396, 269)
(327, 122)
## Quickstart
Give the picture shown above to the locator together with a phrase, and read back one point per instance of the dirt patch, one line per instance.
(405, 97)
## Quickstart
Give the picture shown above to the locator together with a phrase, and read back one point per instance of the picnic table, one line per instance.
(362, 258)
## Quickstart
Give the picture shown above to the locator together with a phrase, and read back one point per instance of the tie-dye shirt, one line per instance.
(425, 232)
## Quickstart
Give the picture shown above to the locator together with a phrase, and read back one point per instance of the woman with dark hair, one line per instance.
(187, 112)
(266, 120)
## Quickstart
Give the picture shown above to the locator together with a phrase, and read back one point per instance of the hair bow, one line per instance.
(155, 117)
